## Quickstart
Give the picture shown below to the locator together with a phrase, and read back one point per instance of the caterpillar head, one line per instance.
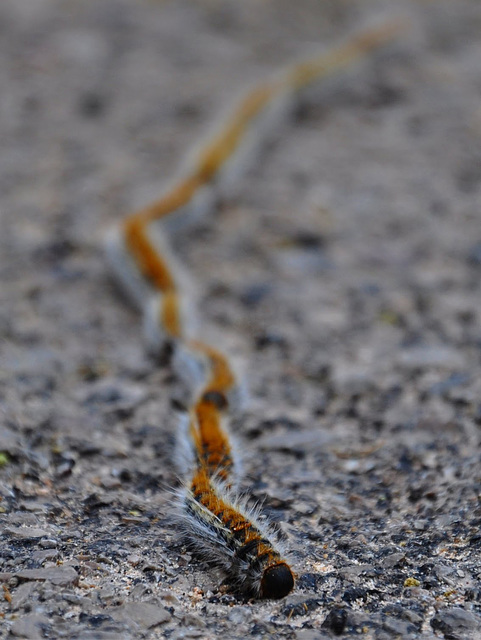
(277, 581)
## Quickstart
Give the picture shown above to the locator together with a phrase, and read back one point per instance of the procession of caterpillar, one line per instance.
(215, 522)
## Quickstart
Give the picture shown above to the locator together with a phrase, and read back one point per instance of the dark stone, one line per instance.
(309, 581)
(252, 296)
(474, 256)
(336, 621)
(309, 240)
(94, 621)
(296, 608)
(356, 593)
(91, 105)
(270, 339)
(94, 502)
(455, 623)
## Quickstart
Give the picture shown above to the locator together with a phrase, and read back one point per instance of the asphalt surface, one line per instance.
(342, 273)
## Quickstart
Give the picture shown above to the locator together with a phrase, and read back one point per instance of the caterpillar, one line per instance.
(214, 520)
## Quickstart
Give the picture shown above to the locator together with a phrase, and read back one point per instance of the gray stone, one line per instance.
(43, 555)
(312, 440)
(193, 620)
(456, 623)
(168, 598)
(25, 533)
(431, 356)
(6, 576)
(112, 395)
(20, 519)
(144, 614)
(108, 482)
(59, 576)
(49, 543)
(31, 627)
(22, 594)
(35, 506)
(98, 634)
(393, 559)
(10, 442)
(399, 627)
(312, 634)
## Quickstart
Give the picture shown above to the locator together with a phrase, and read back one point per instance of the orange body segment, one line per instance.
(153, 267)
(231, 518)
(170, 314)
(178, 196)
(221, 377)
(214, 449)
(223, 146)
(304, 73)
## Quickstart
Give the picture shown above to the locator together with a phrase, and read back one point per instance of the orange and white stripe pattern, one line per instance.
(216, 522)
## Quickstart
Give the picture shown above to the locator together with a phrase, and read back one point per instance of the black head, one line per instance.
(277, 581)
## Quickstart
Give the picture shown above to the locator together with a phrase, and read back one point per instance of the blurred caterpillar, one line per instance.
(215, 522)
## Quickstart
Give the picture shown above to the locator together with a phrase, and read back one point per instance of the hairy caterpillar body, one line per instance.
(243, 546)
(216, 522)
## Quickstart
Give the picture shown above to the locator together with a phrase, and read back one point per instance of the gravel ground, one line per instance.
(344, 277)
